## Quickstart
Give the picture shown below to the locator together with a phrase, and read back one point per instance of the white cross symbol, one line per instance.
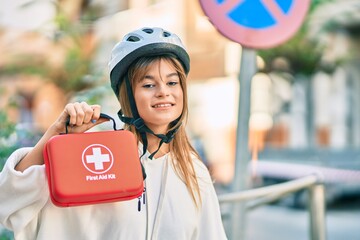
(97, 158)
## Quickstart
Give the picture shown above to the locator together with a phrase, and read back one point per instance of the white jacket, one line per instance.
(26, 208)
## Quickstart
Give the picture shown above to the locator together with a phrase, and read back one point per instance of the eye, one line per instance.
(148, 85)
(173, 83)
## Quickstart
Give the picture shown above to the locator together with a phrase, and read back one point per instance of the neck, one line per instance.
(158, 129)
(153, 144)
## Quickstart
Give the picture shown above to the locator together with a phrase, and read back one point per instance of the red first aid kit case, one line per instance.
(93, 167)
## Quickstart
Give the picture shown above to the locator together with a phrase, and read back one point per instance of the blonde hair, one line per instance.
(181, 150)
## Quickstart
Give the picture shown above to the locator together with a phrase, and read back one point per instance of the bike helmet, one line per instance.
(144, 42)
(136, 44)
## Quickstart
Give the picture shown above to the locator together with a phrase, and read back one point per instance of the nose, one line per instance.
(162, 90)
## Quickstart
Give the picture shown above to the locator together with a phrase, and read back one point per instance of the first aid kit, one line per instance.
(93, 167)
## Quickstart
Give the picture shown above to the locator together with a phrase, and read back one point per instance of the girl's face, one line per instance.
(159, 96)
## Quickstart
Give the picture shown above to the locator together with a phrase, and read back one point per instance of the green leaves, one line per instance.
(302, 53)
(6, 130)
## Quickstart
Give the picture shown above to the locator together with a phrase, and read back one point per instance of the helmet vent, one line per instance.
(148, 30)
(166, 34)
(133, 39)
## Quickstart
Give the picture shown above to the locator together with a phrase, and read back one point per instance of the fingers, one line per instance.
(96, 112)
(82, 113)
(81, 116)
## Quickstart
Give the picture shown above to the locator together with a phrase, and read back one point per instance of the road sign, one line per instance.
(257, 24)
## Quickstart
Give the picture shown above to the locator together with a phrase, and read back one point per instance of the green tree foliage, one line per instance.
(6, 235)
(7, 130)
(303, 53)
(75, 73)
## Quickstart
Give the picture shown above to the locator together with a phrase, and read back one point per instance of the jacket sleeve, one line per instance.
(22, 194)
(210, 226)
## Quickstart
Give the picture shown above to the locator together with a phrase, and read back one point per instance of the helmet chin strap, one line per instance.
(139, 123)
(143, 129)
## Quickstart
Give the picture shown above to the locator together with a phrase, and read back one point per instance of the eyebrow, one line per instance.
(167, 76)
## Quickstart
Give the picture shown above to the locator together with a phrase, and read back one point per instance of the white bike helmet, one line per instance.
(144, 42)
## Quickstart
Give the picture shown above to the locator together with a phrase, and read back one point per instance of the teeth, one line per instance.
(162, 105)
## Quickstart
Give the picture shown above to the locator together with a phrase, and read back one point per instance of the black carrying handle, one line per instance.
(102, 115)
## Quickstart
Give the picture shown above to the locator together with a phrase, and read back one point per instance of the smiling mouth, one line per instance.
(163, 105)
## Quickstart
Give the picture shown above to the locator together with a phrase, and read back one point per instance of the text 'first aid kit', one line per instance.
(93, 167)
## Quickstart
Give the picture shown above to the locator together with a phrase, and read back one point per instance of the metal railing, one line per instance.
(264, 195)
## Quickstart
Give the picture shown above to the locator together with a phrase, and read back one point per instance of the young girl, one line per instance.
(148, 74)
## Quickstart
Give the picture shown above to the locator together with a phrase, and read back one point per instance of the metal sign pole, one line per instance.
(235, 20)
(242, 157)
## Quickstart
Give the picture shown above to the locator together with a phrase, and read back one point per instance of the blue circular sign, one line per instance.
(256, 23)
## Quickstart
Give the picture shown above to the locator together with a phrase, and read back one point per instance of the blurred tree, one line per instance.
(6, 235)
(73, 75)
(7, 129)
(74, 38)
(302, 53)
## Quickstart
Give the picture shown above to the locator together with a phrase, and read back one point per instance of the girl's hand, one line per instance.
(82, 117)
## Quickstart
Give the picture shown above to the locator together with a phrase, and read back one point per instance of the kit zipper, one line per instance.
(143, 197)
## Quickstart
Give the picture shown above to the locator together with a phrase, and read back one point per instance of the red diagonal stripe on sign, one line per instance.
(274, 9)
(229, 5)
